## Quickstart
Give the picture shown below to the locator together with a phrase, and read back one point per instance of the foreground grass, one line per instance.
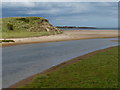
(98, 71)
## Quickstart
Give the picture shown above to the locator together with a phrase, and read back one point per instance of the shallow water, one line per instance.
(22, 61)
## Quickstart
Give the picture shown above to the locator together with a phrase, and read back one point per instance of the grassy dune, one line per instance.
(97, 71)
(16, 27)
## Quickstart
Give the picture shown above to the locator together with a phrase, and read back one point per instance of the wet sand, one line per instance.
(67, 35)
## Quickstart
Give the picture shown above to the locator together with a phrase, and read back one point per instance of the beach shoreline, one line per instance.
(65, 36)
(57, 67)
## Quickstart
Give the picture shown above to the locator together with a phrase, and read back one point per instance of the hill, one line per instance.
(16, 27)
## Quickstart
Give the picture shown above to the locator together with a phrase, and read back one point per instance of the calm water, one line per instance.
(22, 61)
(89, 29)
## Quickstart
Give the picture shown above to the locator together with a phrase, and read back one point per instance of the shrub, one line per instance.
(8, 41)
(23, 19)
(34, 18)
(10, 26)
(44, 20)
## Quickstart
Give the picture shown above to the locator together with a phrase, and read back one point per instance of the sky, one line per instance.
(91, 14)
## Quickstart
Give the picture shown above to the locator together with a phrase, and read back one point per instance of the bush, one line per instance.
(10, 26)
(34, 18)
(7, 41)
(23, 19)
(44, 20)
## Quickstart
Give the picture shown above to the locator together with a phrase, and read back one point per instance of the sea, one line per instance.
(89, 29)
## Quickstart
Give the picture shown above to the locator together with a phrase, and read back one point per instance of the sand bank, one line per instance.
(67, 35)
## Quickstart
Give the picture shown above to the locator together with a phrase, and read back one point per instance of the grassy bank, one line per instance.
(19, 27)
(24, 34)
(97, 71)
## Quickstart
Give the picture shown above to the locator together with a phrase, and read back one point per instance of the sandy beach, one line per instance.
(67, 35)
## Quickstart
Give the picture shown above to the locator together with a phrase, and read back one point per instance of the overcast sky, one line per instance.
(96, 14)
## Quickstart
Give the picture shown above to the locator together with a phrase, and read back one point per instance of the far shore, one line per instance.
(67, 35)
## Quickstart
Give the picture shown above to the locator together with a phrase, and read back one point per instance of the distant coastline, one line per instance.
(75, 27)
(85, 28)
(89, 29)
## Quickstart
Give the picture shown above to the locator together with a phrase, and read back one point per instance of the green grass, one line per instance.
(18, 27)
(23, 34)
(98, 71)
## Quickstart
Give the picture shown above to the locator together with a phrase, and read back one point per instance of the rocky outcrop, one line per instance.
(44, 25)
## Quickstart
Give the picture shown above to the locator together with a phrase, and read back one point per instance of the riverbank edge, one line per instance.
(33, 42)
(65, 36)
(57, 67)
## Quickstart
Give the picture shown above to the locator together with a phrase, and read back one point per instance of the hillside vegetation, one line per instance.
(16, 27)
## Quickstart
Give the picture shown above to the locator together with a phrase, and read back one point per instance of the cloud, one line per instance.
(57, 8)
(60, 0)
(65, 12)
(18, 4)
(61, 8)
